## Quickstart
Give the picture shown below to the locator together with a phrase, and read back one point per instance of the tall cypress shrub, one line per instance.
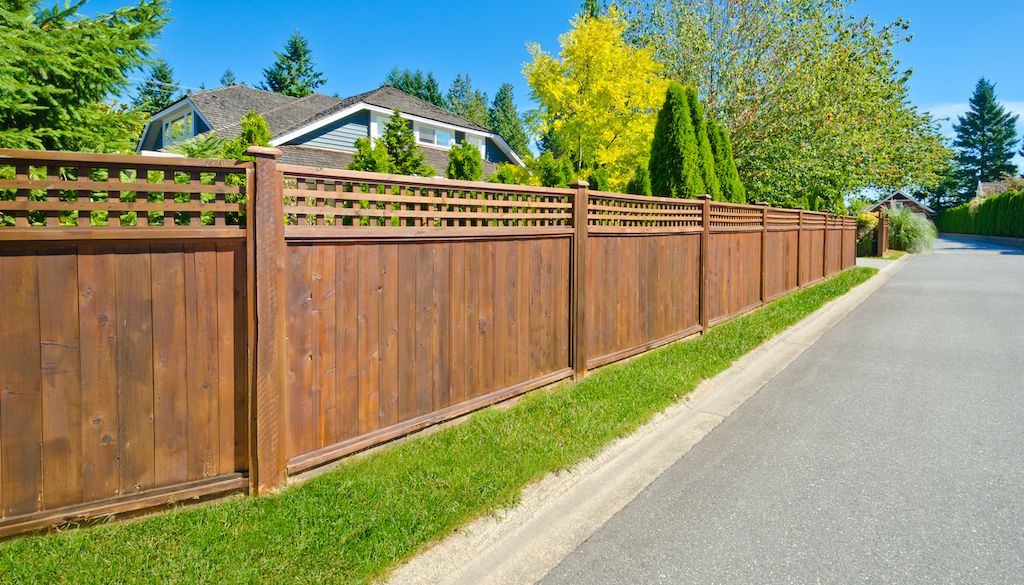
(640, 184)
(673, 164)
(705, 158)
(725, 166)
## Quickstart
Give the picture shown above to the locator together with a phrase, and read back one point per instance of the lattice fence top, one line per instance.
(614, 209)
(55, 190)
(783, 218)
(736, 216)
(815, 219)
(317, 197)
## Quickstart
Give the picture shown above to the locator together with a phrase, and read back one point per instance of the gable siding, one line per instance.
(339, 135)
(494, 154)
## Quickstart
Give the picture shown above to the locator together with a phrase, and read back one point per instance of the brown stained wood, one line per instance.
(301, 415)
(201, 331)
(368, 333)
(526, 322)
(408, 309)
(424, 324)
(170, 406)
(61, 378)
(390, 326)
(562, 315)
(474, 350)
(97, 287)
(486, 324)
(536, 311)
(21, 425)
(323, 325)
(510, 269)
(243, 346)
(441, 327)
(226, 350)
(457, 311)
(347, 343)
(134, 331)
(501, 316)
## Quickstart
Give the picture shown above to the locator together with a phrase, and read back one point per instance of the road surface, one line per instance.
(892, 451)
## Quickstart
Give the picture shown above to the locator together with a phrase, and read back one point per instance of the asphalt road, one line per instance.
(892, 451)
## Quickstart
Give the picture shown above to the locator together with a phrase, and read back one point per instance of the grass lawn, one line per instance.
(357, 521)
(889, 255)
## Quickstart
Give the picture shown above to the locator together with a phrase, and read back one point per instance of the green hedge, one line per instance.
(1002, 215)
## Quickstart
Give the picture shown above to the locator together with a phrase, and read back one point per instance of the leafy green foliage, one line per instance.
(61, 74)
(254, 132)
(553, 171)
(598, 179)
(985, 139)
(999, 215)
(206, 145)
(293, 72)
(705, 157)
(158, 90)
(511, 174)
(465, 163)
(814, 100)
(355, 522)
(504, 119)
(910, 231)
(467, 102)
(415, 83)
(673, 166)
(395, 152)
(370, 156)
(725, 167)
(640, 184)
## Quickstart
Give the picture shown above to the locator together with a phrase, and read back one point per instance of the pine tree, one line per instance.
(467, 102)
(673, 164)
(705, 158)
(591, 8)
(254, 132)
(985, 139)
(725, 166)
(400, 143)
(503, 118)
(465, 163)
(158, 90)
(640, 184)
(598, 179)
(293, 73)
(370, 156)
(415, 83)
(228, 77)
(432, 91)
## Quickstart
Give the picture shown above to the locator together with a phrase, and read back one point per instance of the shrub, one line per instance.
(465, 163)
(598, 179)
(866, 223)
(370, 156)
(640, 184)
(673, 165)
(552, 171)
(910, 231)
(1001, 215)
(725, 166)
(511, 174)
(705, 157)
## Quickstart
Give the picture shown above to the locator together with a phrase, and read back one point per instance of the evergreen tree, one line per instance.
(465, 163)
(640, 184)
(61, 74)
(400, 143)
(370, 156)
(254, 132)
(598, 179)
(158, 90)
(591, 8)
(705, 158)
(673, 164)
(417, 84)
(432, 91)
(504, 119)
(467, 102)
(293, 73)
(553, 172)
(228, 77)
(985, 139)
(725, 167)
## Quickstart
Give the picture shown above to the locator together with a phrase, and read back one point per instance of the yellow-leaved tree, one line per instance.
(599, 97)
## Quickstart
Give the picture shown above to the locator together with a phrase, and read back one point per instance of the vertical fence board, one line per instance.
(170, 407)
(347, 344)
(390, 325)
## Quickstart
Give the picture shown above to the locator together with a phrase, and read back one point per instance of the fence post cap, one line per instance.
(263, 151)
(703, 196)
(580, 184)
(762, 203)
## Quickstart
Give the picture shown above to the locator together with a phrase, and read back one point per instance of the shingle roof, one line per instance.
(225, 106)
(900, 194)
(394, 99)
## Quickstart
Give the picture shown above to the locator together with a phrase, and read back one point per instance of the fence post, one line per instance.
(799, 247)
(578, 286)
(703, 285)
(764, 249)
(267, 462)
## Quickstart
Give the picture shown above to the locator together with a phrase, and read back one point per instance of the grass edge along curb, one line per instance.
(354, 523)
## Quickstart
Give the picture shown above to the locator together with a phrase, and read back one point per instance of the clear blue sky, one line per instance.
(355, 43)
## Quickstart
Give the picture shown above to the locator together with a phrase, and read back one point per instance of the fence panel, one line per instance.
(124, 350)
(782, 253)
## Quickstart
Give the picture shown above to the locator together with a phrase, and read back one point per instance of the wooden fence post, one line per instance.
(267, 461)
(799, 246)
(703, 284)
(578, 286)
(764, 249)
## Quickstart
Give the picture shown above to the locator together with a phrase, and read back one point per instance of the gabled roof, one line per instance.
(225, 106)
(901, 195)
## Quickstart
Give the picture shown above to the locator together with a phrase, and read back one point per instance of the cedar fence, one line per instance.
(183, 328)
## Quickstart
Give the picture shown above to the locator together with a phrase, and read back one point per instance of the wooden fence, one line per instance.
(180, 328)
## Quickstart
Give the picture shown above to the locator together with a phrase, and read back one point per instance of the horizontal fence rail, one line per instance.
(193, 327)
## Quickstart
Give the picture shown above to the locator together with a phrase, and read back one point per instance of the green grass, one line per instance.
(356, 522)
(889, 255)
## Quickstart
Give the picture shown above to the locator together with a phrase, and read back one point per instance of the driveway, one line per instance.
(891, 451)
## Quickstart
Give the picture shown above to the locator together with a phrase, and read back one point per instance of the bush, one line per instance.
(598, 179)
(910, 231)
(640, 184)
(1001, 215)
(673, 166)
(866, 224)
(465, 163)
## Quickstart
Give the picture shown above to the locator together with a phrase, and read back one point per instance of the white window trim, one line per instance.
(167, 120)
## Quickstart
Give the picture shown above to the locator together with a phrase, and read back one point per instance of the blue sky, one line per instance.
(355, 43)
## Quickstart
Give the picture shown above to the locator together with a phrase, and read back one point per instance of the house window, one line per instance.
(377, 125)
(434, 136)
(178, 129)
(477, 141)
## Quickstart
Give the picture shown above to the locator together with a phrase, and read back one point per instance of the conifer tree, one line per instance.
(158, 90)
(465, 163)
(400, 143)
(504, 119)
(228, 77)
(640, 184)
(417, 84)
(254, 132)
(598, 179)
(725, 166)
(673, 164)
(293, 73)
(370, 156)
(705, 158)
(432, 91)
(467, 102)
(985, 139)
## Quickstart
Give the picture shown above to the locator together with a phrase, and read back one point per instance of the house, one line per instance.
(988, 189)
(320, 130)
(902, 199)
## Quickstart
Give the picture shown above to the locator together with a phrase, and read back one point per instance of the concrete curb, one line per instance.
(559, 512)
